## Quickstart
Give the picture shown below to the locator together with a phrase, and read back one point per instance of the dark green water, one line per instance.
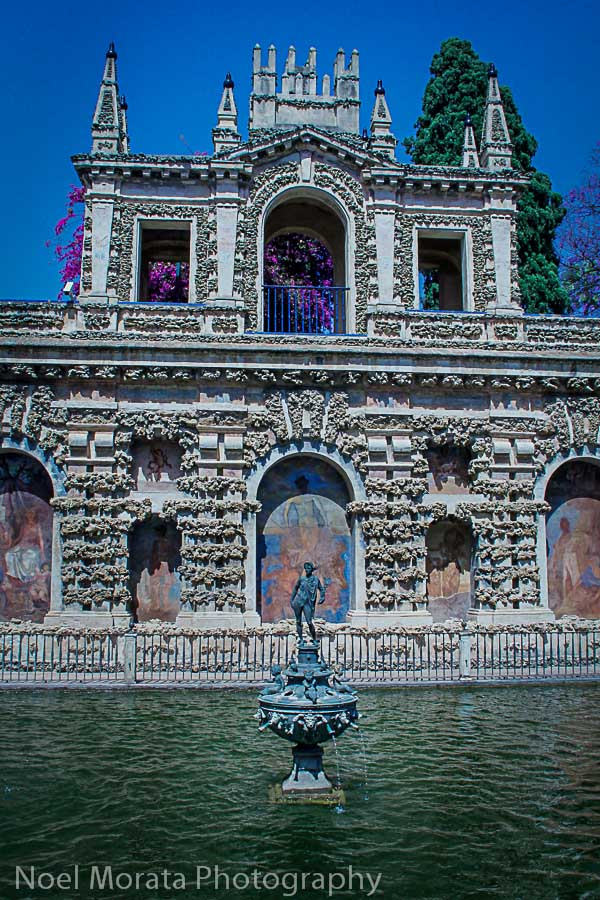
(472, 792)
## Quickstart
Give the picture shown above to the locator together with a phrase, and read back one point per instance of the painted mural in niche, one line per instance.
(25, 538)
(449, 549)
(448, 469)
(573, 540)
(156, 465)
(303, 519)
(154, 558)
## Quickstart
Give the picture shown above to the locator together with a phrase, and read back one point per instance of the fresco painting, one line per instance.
(156, 465)
(154, 557)
(303, 519)
(573, 540)
(573, 534)
(25, 538)
(448, 470)
(448, 571)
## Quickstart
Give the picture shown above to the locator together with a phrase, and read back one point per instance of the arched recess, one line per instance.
(154, 560)
(572, 531)
(449, 545)
(303, 519)
(27, 537)
(302, 306)
(326, 483)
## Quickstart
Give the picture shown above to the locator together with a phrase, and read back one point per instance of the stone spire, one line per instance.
(470, 157)
(123, 124)
(109, 125)
(226, 135)
(496, 148)
(382, 139)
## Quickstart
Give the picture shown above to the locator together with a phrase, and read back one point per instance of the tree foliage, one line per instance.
(580, 242)
(458, 85)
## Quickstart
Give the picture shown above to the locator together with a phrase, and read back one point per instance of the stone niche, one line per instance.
(25, 538)
(573, 540)
(449, 554)
(448, 469)
(154, 559)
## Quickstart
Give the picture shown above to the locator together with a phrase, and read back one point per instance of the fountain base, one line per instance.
(307, 775)
(335, 797)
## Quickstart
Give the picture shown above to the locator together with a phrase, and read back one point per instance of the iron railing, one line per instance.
(421, 656)
(32, 656)
(290, 309)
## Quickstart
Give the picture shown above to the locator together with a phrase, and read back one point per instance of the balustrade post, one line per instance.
(129, 657)
(464, 655)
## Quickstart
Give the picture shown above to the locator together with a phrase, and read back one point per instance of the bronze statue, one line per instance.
(304, 598)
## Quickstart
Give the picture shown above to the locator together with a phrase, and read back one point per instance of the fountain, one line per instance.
(307, 703)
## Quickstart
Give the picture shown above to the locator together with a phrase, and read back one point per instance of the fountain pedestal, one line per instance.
(307, 771)
(307, 704)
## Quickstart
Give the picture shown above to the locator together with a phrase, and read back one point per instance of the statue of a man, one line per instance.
(304, 598)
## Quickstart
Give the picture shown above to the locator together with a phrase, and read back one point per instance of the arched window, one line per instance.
(573, 539)
(25, 538)
(304, 268)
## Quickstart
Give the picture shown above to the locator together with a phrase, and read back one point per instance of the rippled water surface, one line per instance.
(472, 792)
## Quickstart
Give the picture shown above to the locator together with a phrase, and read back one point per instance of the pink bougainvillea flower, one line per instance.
(168, 282)
(304, 266)
(69, 254)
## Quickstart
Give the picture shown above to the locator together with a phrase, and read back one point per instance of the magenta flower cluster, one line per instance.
(69, 254)
(295, 260)
(168, 282)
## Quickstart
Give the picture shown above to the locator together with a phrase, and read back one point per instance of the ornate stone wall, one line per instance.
(81, 385)
(384, 425)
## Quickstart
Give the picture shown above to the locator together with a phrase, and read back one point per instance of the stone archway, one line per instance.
(303, 518)
(573, 539)
(305, 264)
(26, 524)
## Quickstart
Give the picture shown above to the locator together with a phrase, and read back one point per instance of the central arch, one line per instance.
(310, 227)
(303, 518)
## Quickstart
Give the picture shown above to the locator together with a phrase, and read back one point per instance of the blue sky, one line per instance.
(173, 57)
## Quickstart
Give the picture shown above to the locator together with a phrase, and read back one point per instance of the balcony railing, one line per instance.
(292, 309)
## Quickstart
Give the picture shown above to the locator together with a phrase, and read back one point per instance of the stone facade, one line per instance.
(444, 427)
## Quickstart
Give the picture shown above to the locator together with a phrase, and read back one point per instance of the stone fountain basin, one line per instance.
(304, 722)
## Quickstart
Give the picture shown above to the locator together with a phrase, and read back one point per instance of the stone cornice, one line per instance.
(444, 178)
(269, 145)
(366, 362)
(157, 167)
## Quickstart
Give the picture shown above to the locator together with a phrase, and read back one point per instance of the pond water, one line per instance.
(472, 792)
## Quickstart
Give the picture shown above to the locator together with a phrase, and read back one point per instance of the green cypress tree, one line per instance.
(458, 85)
